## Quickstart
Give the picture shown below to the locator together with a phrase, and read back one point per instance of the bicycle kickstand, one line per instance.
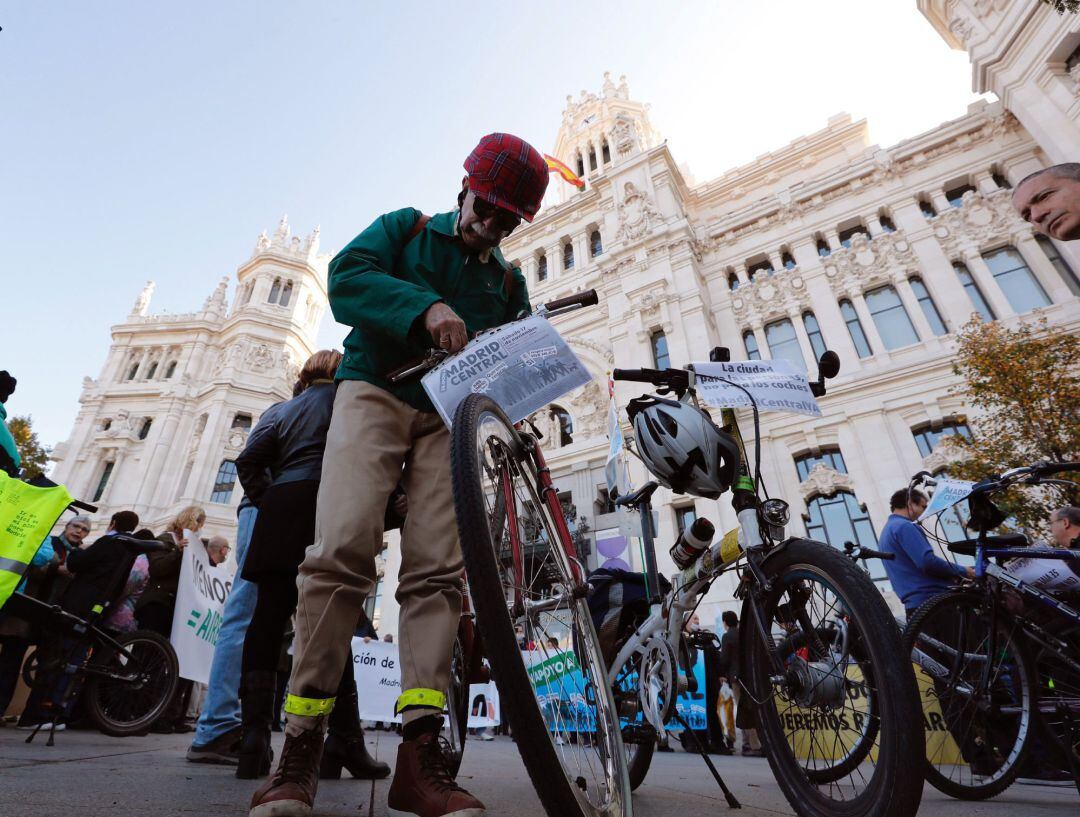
(732, 801)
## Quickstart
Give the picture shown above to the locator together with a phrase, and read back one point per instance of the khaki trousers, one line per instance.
(376, 440)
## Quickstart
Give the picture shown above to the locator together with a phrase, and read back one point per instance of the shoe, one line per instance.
(748, 752)
(256, 712)
(489, 736)
(423, 785)
(223, 750)
(290, 791)
(45, 727)
(352, 754)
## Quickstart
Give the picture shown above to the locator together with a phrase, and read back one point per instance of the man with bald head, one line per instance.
(217, 549)
(1049, 200)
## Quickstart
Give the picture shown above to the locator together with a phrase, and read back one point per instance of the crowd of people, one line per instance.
(326, 472)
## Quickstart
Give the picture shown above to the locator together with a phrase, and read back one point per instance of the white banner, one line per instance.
(522, 366)
(200, 605)
(946, 494)
(378, 685)
(776, 385)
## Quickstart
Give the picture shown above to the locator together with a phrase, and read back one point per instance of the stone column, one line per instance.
(776, 261)
(1056, 288)
(152, 490)
(937, 198)
(877, 345)
(985, 279)
(742, 275)
(763, 344)
(804, 342)
(832, 238)
(874, 225)
(911, 304)
(984, 183)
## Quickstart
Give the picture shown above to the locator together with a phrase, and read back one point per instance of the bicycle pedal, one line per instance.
(639, 733)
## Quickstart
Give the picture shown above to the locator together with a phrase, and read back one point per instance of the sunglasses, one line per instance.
(504, 218)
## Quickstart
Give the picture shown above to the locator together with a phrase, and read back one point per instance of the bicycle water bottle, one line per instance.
(692, 543)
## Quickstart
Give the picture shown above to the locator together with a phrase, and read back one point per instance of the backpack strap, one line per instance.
(418, 227)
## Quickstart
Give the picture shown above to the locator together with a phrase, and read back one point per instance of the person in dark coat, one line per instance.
(279, 469)
(96, 568)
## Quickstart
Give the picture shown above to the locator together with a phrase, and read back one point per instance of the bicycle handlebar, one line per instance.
(863, 552)
(576, 301)
(676, 379)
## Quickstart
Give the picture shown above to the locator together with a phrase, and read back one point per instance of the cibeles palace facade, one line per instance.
(880, 253)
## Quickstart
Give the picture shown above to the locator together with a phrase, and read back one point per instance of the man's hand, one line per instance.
(446, 328)
(970, 572)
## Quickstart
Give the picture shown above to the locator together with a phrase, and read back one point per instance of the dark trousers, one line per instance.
(158, 617)
(12, 651)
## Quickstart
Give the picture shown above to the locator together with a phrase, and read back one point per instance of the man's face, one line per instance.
(1051, 205)
(1061, 530)
(483, 226)
(217, 552)
(75, 532)
(916, 507)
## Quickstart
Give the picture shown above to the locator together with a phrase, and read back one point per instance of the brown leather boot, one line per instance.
(290, 791)
(423, 785)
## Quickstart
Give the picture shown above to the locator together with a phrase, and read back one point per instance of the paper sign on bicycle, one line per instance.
(947, 493)
(522, 366)
(776, 385)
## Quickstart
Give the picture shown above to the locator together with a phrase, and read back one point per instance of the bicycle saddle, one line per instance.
(644, 492)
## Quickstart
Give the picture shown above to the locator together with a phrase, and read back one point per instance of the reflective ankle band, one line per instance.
(422, 698)
(311, 707)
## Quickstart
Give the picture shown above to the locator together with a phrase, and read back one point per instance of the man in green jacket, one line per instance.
(404, 285)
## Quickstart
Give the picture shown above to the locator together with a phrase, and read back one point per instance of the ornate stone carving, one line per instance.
(979, 220)
(636, 213)
(888, 257)
(765, 298)
(590, 411)
(648, 305)
(824, 481)
(598, 348)
(142, 303)
(235, 439)
(625, 136)
(946, 453)
(261, 356)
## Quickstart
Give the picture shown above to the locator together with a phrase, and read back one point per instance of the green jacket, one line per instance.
(382, 283)
(9, 453)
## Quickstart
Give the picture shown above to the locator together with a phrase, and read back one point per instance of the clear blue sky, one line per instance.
(155, 140)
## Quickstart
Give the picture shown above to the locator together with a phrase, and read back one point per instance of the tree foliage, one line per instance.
(35, 456)
(1024, 384)
(1062, 6)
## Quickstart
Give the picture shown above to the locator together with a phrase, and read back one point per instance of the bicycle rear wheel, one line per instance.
(457, 707)
(835, 718)
(135, 691)
(980, 729)
(522, 574)
(1059, 697)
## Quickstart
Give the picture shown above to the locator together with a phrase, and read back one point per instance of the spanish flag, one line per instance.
(555, 166)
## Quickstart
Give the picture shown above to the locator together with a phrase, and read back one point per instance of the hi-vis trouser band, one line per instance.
(310, 707)
(27, 513)
(427, 698)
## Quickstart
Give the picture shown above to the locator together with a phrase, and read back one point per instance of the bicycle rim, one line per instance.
(148, 679)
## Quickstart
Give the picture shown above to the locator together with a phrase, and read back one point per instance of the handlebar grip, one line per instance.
(586, 298)
(396, 374)
(1057, 468)
(870, 553)
(635, 375)
(83, 506)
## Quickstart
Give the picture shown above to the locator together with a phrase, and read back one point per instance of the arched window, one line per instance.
(933, 317)
(732, 281)
(241, 420)
(1060, 264)
(1000, 180)
(596, 245)
(106, 472)
(955, 195)
(605, 151)
(823, 249)
(592, 157)
(275, 291)
(838, 519)
(541, 269)
(887, 225)
(286, 293)
(580, 165)
(761, 267)
(890, 318)
(973, 291)
(858, 337)
(928, 436)
(813, 331)
(134, 370)
(152, 371)
(1022, 290)
(224, 482)
(845, 236)
(750, 342)
(568, 255)
(566, 425)
(829, 457)
(787, 260)
(784, 343)
(927, 208)
(661, 358)
(144, 429)
(170, 370)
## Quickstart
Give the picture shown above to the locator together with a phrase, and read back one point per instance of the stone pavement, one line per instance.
(89, 775)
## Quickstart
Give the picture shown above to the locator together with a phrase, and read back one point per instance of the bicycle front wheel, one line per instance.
(129, 692)
(528, 590)
(836, 705)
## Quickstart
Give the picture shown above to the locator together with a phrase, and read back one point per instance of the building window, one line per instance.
(1000, 180)
(541, 269)
(765, 267)
(784, 343)
(1021, 289)
(858, 337)
(275, 291)
(286, 293)
(224, 482)
(592, 158)
(1060, 264)
(152, 371)
(105, 474)
(890, 318)
(829, 457)
(605, 151)
(955, 195)
(604, 502)
(684, 518)
(974, 293)
(823, 249)
(106, 424)
(580, 165)
(134, 370)
(596, 245)
(845, 236)
(788, 260)
(750, 342)
(373, 601)
(144, 429)
(927, 437)
(568, 255)
(933, 317)
(241, 420)
(566, 425)
(813, 331)
(927, 208)
(838, 519)
(732, 281)
(887, 225)
(660, 356)
(170, 370)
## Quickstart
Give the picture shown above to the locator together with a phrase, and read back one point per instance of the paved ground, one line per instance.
(89, 775)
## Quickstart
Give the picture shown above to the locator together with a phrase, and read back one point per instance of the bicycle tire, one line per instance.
(533, 737)
(1059, 688)
(894, 789)
(457, 707)
(157, 683)
(945, 608)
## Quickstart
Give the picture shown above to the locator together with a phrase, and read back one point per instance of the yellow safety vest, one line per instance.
(27, 514)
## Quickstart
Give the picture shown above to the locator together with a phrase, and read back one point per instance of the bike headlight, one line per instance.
(775, 512)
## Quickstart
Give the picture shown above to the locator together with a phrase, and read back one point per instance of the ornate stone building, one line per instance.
(880, 253)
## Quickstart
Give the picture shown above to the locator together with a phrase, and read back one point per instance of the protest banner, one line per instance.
(776, 385)
(523, 366)
(946, 494)
(200, 607)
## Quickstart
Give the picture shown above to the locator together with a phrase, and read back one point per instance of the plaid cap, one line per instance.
(508, 172)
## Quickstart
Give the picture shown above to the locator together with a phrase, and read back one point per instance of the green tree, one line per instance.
(1062, 6)
(1024, 383)
(35, 456)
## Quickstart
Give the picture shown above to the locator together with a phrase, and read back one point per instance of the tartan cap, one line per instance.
(508, 172)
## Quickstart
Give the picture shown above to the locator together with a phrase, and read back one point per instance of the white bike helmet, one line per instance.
(682, 447)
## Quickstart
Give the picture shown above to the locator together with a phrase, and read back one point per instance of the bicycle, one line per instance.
(1002, 656)
(126, 680)
(522, 568)
(820, 658)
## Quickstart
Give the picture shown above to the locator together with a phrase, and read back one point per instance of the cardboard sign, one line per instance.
(776, 385)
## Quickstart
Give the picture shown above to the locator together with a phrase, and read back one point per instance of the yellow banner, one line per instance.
(27, 514)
